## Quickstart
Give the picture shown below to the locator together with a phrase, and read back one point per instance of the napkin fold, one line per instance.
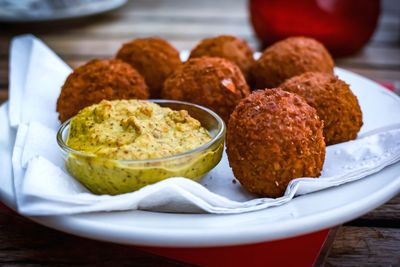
(44, 187)
(36, 77)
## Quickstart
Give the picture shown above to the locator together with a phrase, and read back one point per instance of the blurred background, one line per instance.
(362, 35)
(344, 26)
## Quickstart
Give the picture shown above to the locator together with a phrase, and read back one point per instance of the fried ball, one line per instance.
(98, 80)
(335, 103)
(288, 58)
(273, 137)
(229, 47)
(154, 58)
(213, 82)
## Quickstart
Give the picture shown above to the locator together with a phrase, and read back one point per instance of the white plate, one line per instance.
(48, 10)
(302, 215)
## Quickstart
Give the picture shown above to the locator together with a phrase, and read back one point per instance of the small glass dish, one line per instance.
(112, 176)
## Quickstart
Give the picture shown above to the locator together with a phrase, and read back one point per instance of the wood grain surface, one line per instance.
(365, 246)
(372, 240)
(24, 243)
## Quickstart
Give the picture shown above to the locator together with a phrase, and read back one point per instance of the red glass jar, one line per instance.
(343, 26)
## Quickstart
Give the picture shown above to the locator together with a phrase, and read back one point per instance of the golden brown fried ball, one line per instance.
(213, 82)
(229, 47)
(98, 80)
(273, 137)
(154, 58)
(335, 103)
(288, 58)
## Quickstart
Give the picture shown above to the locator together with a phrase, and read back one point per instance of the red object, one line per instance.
(389, 85)
(343, 26)
(297, 251)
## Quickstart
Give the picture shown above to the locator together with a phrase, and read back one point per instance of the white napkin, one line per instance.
(43, 187)
(36, 77)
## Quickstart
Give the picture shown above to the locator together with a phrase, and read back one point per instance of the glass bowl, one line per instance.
(112, 176)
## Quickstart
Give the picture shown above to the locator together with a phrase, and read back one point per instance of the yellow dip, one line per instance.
(134, 129)
(114, 133)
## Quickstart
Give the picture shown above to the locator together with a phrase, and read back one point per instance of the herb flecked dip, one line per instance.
(113, 133)
(134, 130)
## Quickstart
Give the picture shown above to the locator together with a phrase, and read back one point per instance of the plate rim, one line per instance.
(79, 225)
(201, 239)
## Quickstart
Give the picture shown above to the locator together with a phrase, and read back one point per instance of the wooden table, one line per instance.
(373, 239)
